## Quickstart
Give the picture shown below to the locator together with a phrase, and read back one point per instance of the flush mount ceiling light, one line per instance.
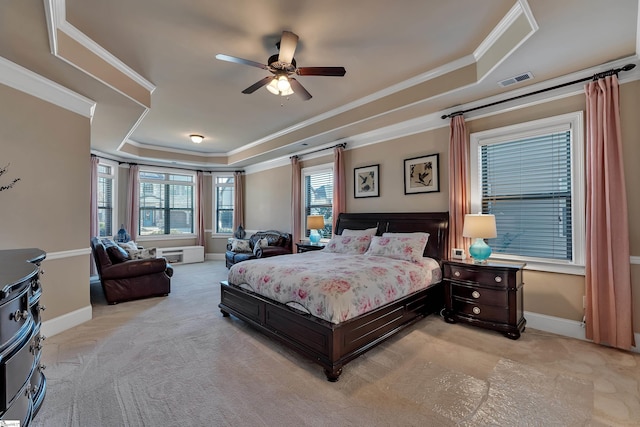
(196, 139)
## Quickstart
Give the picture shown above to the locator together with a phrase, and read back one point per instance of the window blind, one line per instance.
(318, 188)
(526, 184)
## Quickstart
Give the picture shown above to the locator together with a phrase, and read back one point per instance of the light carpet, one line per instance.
(175, 361)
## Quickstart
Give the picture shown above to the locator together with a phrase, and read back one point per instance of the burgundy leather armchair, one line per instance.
(124, 279)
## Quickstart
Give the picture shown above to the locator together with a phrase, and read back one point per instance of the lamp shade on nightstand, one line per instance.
(479, 227)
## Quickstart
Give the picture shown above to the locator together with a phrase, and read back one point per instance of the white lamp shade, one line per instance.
(479, 226)
(315, 222)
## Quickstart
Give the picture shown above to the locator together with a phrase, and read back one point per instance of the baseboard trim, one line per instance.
(564, 327)
(66, 321)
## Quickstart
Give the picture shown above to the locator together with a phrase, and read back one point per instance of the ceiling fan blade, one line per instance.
(299, 89)
(288, 44)
(254, 87)
(321, 71)
(228, 58)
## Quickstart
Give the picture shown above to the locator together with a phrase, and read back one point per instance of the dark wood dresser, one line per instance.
(22, 382)
(486, 295)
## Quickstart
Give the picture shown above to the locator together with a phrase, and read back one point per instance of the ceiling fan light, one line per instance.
(283, 83)
(287, 92)
(196, 139)
(273, 87)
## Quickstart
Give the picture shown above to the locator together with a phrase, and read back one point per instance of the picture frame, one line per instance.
(422, 174)
(366, 181)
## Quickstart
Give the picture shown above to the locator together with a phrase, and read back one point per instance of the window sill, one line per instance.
(546, 266)
(165, 237)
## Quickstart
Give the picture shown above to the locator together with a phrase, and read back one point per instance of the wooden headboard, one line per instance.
(434, 223)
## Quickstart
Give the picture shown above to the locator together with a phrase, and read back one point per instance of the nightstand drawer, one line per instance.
(485, 276)
(480, 311)
(480, 295)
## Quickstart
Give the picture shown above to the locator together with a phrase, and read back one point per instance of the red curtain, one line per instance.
(339, 185)
(133, 207)
(608, 277)
(296, 207)
(459, 190)
(200, 238)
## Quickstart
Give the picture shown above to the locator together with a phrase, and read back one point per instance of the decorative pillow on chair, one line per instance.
(408, 248)
(130, 247)
(145, 253)
(348, 244)
(239, 245)
(117, 254)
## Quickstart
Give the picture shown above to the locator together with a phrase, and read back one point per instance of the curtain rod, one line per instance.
(343, 145)
(596, 76)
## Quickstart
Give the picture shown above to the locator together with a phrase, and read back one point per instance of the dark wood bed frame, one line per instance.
(333, 345)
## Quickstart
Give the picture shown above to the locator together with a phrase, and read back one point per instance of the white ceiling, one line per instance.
(385, 47)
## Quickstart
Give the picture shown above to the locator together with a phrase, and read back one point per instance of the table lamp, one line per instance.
(315, 223)
(479, 227)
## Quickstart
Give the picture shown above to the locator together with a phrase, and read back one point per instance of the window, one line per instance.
(317, 188)
(530, 176)
(107, 179)
(166, 203)
(223, 202)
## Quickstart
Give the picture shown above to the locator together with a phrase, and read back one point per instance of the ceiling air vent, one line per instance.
(517, 79)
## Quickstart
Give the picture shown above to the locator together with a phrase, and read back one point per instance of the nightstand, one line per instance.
(306, 247)
(486, 295)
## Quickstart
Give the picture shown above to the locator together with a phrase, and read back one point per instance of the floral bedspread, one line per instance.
(333, 286)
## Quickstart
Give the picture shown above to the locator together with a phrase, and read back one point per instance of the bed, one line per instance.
(341, 336)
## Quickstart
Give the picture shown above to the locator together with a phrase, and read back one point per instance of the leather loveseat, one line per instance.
(278, 243)
(124, 279)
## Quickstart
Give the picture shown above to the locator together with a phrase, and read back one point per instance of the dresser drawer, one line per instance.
(484, 276)
(479, 295)
(481, 312)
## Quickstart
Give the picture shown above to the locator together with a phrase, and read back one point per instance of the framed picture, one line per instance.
(366, 181)
(422, 174)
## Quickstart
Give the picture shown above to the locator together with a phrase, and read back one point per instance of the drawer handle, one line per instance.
(475, 294)
(456, 273)
(19, 315)
(498, 279)
(476, 310)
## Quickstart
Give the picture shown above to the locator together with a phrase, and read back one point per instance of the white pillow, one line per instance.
(356, 245)
(146, 253)
(408, 248)
(131, 248)
(263, 243)
(239, 245)
(415, 233)
(367, 232)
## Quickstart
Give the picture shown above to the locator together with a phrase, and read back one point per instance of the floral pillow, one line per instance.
(348, 244)
(408, 248)
(240, 245)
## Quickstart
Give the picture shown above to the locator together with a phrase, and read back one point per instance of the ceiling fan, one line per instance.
(283, 67)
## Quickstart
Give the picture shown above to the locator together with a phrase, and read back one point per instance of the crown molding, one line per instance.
(25, 80)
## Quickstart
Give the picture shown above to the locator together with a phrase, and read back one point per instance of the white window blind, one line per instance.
(106, 199)
(526, 183)
(318, 198)
(531, 177)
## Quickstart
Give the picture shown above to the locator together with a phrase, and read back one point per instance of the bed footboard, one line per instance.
(328, 344)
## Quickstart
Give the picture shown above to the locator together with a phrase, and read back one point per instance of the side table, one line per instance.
(306, 247)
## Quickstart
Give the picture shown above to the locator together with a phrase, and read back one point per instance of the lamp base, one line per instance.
(479, 251)
(314, 237)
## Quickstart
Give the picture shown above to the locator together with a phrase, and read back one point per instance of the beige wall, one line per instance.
(558, 295)
(47, 147)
